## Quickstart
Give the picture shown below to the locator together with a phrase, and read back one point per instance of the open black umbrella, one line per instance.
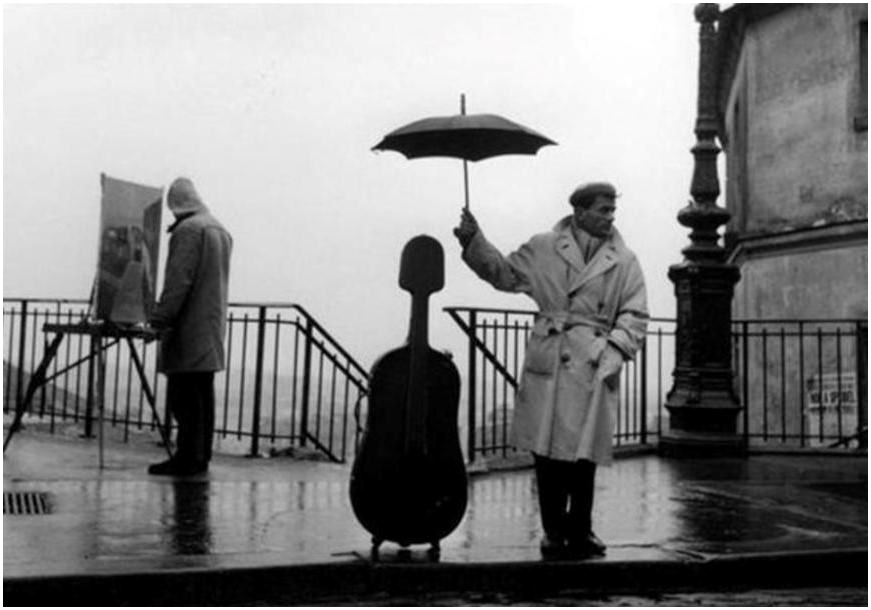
(470, 137)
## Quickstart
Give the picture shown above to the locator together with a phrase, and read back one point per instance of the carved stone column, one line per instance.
(703, 408)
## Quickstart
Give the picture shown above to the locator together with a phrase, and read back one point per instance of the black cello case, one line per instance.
(408, 481)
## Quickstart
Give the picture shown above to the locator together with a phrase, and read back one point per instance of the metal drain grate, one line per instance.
(25, 503)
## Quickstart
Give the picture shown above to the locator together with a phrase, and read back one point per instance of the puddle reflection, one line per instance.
(189, 531)
(501, 510)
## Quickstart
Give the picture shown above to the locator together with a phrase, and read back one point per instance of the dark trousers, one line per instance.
(191, 401)
(565, 497)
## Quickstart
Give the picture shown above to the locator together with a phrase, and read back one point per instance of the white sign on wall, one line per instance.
(830, 406)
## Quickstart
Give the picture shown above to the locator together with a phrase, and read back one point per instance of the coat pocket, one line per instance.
(541, 354)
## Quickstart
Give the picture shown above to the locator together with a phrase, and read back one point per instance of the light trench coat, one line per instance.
(563, 409)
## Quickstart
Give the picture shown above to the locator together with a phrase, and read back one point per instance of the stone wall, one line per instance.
(817, 273)
(796, 149)
(797, 164)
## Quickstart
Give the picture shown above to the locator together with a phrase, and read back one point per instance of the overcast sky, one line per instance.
(272, 111)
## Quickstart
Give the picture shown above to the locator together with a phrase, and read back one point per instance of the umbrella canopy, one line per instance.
(470, 137)
(463, 136)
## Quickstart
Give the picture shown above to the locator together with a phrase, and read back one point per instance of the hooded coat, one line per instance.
(563, 409)
(192, 309)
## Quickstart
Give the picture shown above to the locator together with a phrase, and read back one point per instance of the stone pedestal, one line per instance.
(702, 404)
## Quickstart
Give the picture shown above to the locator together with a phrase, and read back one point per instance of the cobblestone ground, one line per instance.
(820, 596)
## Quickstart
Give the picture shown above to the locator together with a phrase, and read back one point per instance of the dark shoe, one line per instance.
(596, 544)
(173, 467)
(189, 470)
(586, 546)
(552, 548)
(167, 467)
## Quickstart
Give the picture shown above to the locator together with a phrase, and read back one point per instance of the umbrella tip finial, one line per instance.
(462, 103)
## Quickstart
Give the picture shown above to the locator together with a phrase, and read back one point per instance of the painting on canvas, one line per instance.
(129, 244)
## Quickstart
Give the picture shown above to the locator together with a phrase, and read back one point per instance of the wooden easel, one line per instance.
(99, 332)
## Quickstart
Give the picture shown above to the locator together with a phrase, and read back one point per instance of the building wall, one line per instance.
(797, 164)
(792, 120)
(804, 279)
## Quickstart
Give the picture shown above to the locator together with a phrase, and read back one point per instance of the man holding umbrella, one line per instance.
(592, 316)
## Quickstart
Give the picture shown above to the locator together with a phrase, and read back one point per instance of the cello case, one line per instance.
(408, 481)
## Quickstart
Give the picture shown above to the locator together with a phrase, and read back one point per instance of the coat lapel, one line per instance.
(568, 249)
(580, 272)
(605, 258)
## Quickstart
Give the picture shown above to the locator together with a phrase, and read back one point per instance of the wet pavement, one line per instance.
(279, 530)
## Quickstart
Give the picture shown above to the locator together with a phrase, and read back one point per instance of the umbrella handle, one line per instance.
(466, 182)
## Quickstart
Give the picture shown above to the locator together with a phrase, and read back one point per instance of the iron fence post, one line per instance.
(820, 410)
(473, 370)
(861, 388)
(644, 390)
(745, 382)
(801, 385)
(22, 347)
(258, 381)
(306, 382)
(89, 393)
(764, 384)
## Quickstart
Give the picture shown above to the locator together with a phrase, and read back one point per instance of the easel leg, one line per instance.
(36, 381)
(99, 392)
(149, 395)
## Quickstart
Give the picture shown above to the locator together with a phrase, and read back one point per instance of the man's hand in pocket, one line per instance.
(610, 363)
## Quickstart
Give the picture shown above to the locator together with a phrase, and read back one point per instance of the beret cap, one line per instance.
(590, 190)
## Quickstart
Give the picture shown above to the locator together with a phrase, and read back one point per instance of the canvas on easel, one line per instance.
(121, 299)
(128, 255)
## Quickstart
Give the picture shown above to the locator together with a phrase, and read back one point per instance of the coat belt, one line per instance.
(554, 322)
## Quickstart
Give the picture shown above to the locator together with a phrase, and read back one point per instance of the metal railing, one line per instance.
(805, 382)
(783, 369)
(287, 383)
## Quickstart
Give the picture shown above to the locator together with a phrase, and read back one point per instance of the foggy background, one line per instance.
(272, 111)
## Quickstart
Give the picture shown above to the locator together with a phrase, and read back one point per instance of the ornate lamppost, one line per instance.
(703, 408)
